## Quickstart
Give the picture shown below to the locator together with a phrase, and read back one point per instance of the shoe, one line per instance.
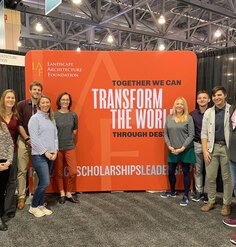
(197, 196)
(205, 198)
(226, 210)
(184, 201)
(21, 203)
(72, 199)
(5, 218)
(233, 239)
(168, 194)
(207, 207)
(3, 226)
(62, 199)
(230, 222)
(75, 195)
(45, 210)
(11, 215)
(36, 212)
(8, 216)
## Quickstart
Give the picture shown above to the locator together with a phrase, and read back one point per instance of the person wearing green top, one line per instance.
(179, 134)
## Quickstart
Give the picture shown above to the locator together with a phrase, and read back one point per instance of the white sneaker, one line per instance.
(36, 212)
(45, 210)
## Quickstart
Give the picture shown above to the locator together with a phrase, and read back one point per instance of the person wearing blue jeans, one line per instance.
(44, 142)
(179, 134)
(42, 166)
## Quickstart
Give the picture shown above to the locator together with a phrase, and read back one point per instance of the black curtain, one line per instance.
(13, 77)
(217, 68)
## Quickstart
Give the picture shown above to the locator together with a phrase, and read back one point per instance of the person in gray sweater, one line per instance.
(179, 134)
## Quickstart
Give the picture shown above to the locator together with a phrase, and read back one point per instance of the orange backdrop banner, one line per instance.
(122, 100)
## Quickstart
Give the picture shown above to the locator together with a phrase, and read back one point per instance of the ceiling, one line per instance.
(190, 25)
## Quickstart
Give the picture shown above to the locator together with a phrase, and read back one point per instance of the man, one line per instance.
(26, 109)
(215, 143)
(202, 101)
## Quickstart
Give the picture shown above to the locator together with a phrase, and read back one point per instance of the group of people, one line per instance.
(30, 129)
(207, 138)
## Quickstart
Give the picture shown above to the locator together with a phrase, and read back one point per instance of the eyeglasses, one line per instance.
(64, 100)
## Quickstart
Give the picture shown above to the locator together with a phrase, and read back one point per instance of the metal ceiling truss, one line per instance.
(190, 24)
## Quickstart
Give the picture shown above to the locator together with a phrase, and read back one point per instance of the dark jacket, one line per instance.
(232, 136)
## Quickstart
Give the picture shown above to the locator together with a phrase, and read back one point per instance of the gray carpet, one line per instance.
(120, 219)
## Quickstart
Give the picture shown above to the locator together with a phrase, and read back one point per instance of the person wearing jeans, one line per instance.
(179, 133)
(44, 143)
(42, 166)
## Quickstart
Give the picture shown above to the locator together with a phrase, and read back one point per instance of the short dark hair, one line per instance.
(202, 91)
(59, 99)
(36, 83)
(218, 88)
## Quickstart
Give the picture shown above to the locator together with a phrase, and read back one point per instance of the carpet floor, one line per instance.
(120, 219)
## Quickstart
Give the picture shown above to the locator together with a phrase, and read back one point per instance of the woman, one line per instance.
(44, 142)
(6, 156)
(67, 125)
(232, 161)
(179, 134)
(9, 116)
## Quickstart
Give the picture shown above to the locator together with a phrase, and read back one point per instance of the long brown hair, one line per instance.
(50, 111)
(2, 104)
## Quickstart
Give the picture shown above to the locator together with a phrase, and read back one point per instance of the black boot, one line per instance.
(3, 226)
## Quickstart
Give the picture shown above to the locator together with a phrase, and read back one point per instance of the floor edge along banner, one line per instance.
(122, 100)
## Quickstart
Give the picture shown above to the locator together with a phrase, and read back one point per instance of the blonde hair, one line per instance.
(184, 117)
(50, 111)
(2, 104)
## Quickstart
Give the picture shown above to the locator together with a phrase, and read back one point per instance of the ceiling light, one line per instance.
(217, 33)
(38, 27)
(162, 20)
(161, 47)
(110, 39)
(77, 2)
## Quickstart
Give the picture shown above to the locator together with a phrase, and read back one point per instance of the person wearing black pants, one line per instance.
(9, 116)
(4, 175)
(172, 178)
(179, 134)
(6, 156)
